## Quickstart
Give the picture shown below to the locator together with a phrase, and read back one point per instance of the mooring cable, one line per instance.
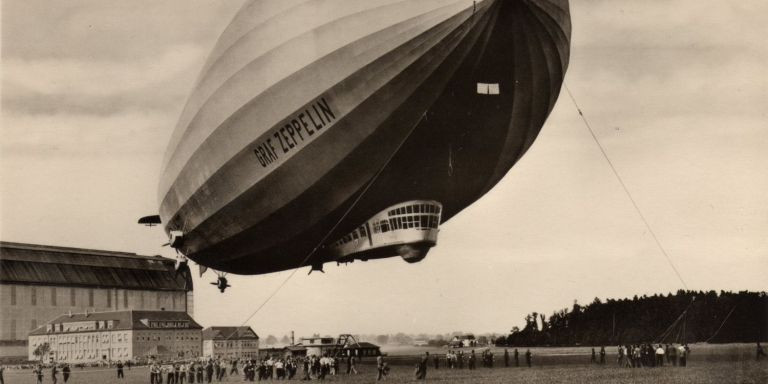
(624, 186)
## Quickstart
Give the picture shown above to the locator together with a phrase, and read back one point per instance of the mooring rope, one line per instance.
(624, 186)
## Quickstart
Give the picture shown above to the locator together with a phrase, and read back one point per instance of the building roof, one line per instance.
(295, 348)
(361, 345)
(49, 265)
(227, 333)
(124, 320)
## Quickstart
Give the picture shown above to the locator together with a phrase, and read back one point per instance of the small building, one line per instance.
(273, 352)
(361, 349)
(319, 346)
(287, 351)
(295, 351)
(38, 283)
(119, 335)
(464, 341)
(230, 342)
(345, 345)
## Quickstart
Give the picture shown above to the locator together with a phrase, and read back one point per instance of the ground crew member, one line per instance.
(152, 373)
(54, 372)
(170, 378)
(528, 357)
(423, 365)
(38, 371)
(758, 354)
(209, 372)
(682, 355)
(182, 369)
(65, 372)
(660, 356)
(517, 358)
(602, 355)
(191, 373)
(380, 367)
(119, 366)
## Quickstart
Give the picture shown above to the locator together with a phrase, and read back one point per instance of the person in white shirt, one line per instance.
(660, 356)
(682, 355)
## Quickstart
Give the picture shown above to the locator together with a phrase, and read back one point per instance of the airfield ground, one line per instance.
(708, 364)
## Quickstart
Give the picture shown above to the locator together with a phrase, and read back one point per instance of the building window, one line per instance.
(33, 295)
(72, 297)
(109, 298)
(53, 296)
(13, 329)
(33, 325)
(13, 295)
(90, 297)
(125, 299)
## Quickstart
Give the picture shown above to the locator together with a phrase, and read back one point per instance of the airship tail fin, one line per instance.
(150, 221)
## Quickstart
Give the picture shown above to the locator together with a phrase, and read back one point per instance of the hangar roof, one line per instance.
(49, 265)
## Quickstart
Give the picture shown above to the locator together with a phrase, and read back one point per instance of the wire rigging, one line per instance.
(624, 186)
(672, 328)
(721, 324)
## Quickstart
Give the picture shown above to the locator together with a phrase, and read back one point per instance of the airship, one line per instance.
(339, 130)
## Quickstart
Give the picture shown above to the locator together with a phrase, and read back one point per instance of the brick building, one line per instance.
(118, 335)
(230, 342)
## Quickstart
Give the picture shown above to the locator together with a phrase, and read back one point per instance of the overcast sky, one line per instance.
(676, 90)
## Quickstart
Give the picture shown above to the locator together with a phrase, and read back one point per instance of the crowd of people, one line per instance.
(458, 359)
(268, 368)
(319, 367)
(646, 355)
(65, 370)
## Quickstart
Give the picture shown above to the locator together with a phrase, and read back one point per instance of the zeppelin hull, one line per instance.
(259, 176)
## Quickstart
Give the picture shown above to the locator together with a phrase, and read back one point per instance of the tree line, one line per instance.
(683, 317)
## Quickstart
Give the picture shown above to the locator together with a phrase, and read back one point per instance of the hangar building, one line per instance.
(39, 283)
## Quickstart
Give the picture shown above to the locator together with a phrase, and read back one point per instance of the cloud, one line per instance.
(77, 76)
(731, 27)
(51, 136)
(112, 30)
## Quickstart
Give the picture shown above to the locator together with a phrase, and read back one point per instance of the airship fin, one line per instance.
(150, 221)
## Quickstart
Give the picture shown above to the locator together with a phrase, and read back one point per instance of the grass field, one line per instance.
(708, 364)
